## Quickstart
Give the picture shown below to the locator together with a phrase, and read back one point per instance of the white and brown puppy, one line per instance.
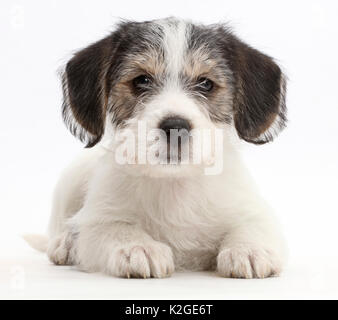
(141, 219)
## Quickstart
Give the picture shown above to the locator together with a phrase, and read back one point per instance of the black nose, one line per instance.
(174, 123)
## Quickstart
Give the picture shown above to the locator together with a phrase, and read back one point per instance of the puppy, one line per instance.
(135, 204)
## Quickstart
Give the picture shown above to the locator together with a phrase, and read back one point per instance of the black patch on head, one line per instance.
(258, 84)
(134, 38)
(90, 76)
(93, 76)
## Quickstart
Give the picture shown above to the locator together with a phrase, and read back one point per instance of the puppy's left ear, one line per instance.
(259, 97)
(84, 91)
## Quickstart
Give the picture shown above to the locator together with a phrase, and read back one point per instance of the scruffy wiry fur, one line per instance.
(144, 226)
(143, 220)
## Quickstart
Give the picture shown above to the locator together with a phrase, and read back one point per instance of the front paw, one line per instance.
(248, 262)
(151, 259)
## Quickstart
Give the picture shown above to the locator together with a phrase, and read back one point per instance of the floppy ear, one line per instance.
(84, 92)
(259, 97)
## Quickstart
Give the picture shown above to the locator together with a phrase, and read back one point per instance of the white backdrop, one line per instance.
(297, 173)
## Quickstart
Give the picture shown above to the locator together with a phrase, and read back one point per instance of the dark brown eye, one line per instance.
(142, 82)
(205, 84)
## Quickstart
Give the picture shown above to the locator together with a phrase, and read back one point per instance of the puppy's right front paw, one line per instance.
(152, 259)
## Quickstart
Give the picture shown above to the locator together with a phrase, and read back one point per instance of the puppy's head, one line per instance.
(174, 76)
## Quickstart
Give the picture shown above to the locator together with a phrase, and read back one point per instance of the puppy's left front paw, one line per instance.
(248, 262)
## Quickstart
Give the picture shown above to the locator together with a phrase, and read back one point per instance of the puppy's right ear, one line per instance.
(84, 91)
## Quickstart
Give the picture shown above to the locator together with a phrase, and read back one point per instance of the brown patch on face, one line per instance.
(123, 102)
(199, 64)
(124, 99)
(219, 105)
(150, 62)
(218, 102)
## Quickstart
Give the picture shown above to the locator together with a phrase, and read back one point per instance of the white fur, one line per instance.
(143, 226)
(174, 45)
(145, 221)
